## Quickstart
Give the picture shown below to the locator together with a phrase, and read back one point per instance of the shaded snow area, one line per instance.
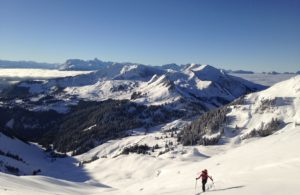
(51, 174)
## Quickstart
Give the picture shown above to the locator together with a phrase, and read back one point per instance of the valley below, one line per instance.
(136, 129)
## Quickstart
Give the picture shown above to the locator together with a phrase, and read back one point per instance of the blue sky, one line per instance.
(260, 35)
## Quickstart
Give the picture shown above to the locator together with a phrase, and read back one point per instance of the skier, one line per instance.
(204, 176)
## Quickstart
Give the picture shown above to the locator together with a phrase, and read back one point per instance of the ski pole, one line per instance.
(213, 185)
(195, 186)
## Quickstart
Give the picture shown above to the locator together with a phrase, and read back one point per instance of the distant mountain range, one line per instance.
(27, 64)
(239, 71)
(96, 64)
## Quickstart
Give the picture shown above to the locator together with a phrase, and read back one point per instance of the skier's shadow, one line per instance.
(221, 189)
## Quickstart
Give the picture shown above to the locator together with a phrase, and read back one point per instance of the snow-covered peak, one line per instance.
(206, 68)
(172, 66)
(191, 66)
(127, 68)
(205, 72)
(138, 72)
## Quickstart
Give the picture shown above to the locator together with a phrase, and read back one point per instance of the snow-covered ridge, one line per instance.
(205, 72)
(281, 102)
(192, 82)
(203, 85)
(257, 114)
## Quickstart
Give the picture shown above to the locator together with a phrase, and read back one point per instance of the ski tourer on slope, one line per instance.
(204, 175)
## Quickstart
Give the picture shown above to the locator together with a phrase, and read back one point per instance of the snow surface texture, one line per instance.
(268, 165)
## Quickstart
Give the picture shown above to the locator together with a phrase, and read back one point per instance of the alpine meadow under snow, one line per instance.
(126, 128)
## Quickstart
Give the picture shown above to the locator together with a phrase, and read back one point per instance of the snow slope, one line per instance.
(240, 165)
(34, 158)
(56, 175)
(280, 102)
(266, 165)
(244, 163)
(259, 167)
